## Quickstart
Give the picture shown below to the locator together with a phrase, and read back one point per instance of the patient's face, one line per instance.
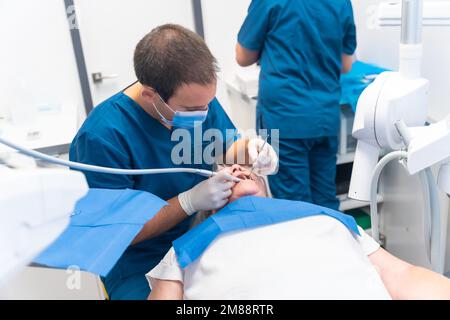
(251, 184)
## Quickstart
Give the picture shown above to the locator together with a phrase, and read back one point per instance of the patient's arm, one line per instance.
(405, 281)
(166, 290)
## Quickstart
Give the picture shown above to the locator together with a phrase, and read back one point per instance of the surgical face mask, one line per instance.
(183, 119)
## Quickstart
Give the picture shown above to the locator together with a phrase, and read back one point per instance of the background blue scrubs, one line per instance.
(120, 134)
(301, 43)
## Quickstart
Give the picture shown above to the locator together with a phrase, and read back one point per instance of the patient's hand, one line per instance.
(166, 290)
(407, 282)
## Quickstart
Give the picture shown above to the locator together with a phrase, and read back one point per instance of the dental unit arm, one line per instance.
(92, 168)
(391, 115)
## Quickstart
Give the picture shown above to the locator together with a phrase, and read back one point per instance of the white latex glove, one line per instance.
(264, 159)
(209, 194)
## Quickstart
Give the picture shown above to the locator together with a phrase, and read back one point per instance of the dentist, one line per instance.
(133, 129)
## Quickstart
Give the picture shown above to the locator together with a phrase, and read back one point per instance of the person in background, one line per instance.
(302, 46)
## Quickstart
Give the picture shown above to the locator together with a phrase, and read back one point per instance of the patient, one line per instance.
(315, 257)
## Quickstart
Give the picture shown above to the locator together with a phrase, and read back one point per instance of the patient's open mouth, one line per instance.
(249, 185)
(243, 175)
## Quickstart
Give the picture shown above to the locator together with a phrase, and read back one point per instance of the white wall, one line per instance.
(36, 61)
(380, 46)
(222, 21)
(111, 29)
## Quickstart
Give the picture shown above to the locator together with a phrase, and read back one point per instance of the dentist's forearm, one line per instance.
(168, 217)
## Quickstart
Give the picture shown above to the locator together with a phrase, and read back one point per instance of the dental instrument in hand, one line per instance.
(92, 168)
(262, 148)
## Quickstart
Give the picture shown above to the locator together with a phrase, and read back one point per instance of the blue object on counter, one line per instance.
(354, 82)
(249, 212)
(102, 226)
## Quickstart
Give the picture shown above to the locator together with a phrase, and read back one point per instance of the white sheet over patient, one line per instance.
(310, 258)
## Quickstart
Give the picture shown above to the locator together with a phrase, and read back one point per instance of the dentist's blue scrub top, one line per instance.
(301, 43)
(120, 134)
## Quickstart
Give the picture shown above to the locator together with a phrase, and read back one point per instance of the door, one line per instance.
(110, 31)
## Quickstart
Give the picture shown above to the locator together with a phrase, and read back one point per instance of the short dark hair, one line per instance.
(171, 55)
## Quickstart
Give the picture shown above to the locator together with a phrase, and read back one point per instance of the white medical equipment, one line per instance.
(391, 115)
(35, 209)
(435, 13)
